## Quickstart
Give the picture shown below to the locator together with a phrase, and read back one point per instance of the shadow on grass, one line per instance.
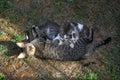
(12, 48)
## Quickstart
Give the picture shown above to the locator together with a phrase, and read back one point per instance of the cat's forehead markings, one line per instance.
(30, 48)
(80, 26)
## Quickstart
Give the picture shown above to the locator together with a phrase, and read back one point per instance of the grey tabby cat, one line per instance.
(51, 49)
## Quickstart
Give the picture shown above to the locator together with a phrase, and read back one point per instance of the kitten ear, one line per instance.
(22, 55)
(21, 44)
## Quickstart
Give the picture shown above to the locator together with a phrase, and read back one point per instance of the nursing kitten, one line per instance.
(47, 29)
(75, 31)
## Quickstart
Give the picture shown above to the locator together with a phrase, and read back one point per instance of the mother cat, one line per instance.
(49, 49)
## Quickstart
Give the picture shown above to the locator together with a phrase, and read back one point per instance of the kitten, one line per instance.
(76, 31)
(73, 32)
(47, 29)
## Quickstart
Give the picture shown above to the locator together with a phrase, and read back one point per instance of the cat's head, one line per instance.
(28, 49)
(74, 30)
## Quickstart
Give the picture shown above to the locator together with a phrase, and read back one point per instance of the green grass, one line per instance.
(81, 13)
(57, 3)
(70, 0)
(16, 14)
(113, 65)
(88, 76)
(113, 70)
(2, 33)
(2, 76)
(31, 14)
(7, 8)
(5, 5)
(3, 49)
(112, 61)
(18, 37)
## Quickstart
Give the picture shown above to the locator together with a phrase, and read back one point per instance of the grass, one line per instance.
(3, 49)
(5, 5)
(2, 76)
(57, 3)
(88, 76)
(113, 70)
(16, 14)
(112, 61)
(2, 33)
(7, 8)
(32, 13)
(113, 65)
(81, 13)
(18, 37)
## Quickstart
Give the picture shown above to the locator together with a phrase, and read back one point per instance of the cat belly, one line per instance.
(64, 51)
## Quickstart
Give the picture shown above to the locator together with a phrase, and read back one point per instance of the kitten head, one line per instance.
(73, 32)
(28, 49)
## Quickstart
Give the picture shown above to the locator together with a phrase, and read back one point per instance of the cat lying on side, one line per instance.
(41, 48)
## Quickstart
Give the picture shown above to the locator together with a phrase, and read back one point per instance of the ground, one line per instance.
(18, 15)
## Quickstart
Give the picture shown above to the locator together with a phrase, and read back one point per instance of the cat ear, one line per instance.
(21, 44)
(30, 49)
(22, 55)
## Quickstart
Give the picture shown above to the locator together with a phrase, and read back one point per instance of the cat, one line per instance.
(47, 29)
(74, 31)
(83, 47)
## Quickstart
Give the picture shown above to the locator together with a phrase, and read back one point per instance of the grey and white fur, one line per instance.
(76, 30)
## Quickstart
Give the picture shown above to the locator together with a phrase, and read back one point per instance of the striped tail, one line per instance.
(103, 42)
(97, 44)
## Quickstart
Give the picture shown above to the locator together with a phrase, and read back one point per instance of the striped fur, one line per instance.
(51, 50)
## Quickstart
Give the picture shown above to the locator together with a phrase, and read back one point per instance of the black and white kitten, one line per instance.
(73, 32)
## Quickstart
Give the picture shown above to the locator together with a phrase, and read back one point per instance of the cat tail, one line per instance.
(93, 46)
